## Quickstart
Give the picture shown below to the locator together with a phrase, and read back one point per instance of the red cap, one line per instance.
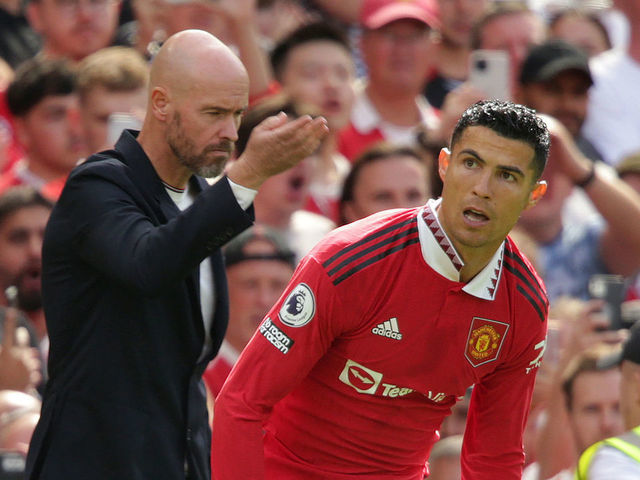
(378, 13)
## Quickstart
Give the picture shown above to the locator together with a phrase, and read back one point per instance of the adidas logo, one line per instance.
(388, 329)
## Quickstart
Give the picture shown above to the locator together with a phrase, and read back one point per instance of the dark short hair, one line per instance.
(509, 120)
(19, 197)
(36, 79)
(377, 152)
(312, 32)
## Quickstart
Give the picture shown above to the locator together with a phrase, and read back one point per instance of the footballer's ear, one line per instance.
(537, 193)
(443, 162)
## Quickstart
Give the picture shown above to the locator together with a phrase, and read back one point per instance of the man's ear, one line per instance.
(537, 193)
(443, 162)
(160, 103)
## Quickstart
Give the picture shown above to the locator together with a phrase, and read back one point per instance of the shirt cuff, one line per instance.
(243, 195)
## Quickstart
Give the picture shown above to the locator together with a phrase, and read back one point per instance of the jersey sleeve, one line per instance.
(296, 333)
(498, 413)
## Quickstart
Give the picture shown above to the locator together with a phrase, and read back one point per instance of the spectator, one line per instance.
(18, 42)
(259, 265)
(593, 404)
(111, 80)
(555, 80)
(347, 354)
(73, 29)
(580, 401)
(23, 217)
(314, 66)
(279, 203)
(444, 461)
(582, 28)
(178, 15)
(571, 251)
(450, 46)
(384, 177)
(619, 457)
(133, 282)
(44, 101)
(509, 26)
(614, 123)
(512, 27)
(394, 46)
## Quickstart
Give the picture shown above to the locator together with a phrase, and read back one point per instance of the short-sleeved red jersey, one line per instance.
(354, 369)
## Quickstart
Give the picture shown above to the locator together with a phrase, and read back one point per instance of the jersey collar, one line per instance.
(440, 254)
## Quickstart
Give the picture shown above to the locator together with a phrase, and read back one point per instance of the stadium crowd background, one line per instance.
(391, 77)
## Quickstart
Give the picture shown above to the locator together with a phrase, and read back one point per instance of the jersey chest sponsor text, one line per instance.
(369, 382)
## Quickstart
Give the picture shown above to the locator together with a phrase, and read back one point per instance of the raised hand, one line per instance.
(275, 145)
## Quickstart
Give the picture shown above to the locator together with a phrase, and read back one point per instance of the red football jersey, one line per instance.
(354, 369)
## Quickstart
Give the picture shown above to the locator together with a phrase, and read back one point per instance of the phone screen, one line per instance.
(489, 72)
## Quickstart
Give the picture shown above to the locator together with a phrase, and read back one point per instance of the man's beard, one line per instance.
(29, 301)
(201, 164)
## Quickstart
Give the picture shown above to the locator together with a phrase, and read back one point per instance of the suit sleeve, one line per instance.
(109, 223)
(498, 414)
(290, 341)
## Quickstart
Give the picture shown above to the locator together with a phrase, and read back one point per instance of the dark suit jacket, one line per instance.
(125, 398)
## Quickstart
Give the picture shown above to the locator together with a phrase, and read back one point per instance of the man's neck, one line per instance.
(399, 108)
(163, 160)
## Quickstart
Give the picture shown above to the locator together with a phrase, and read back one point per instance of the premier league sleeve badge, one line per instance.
(299, 307)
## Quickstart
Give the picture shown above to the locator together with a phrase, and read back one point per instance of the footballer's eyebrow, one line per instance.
(505, 168)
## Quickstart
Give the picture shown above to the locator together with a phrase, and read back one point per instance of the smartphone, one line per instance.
(611, 289)
(489, 71)
(118, 122)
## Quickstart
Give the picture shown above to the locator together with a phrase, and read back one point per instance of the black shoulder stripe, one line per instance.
(368, 238)
(533, 286)
(375, 246)
(532, 302)
(524, 266)
(538, 293)
(374, 259)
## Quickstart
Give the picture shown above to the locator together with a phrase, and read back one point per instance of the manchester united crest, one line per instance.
(485, 340)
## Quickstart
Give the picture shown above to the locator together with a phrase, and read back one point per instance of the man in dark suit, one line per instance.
(132, 317)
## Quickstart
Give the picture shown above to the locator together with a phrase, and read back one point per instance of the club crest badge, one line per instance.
(485, 340)
(299, 307)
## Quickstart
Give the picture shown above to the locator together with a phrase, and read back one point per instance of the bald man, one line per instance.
(133, 281)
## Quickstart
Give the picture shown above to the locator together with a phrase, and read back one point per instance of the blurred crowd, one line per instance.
(391, 77)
